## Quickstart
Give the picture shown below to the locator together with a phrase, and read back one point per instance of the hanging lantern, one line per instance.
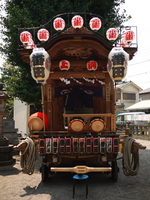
(25, 37)
(40, 65)
(95, 23)
(64, 65)
(77, 21)
(117, 63)
(43, 35)
(112, 34)
(92, 65)
(59, 24)
(129, 36)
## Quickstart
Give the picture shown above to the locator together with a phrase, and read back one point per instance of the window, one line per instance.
(129, 96)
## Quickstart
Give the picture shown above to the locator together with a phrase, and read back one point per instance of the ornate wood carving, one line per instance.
(81, 52)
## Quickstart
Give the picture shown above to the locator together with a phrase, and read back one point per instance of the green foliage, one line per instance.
(32, 13)
(19, 84)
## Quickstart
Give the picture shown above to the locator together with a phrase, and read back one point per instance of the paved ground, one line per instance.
(14, 185)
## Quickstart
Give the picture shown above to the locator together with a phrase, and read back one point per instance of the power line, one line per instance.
(139, 74)
(139, 62)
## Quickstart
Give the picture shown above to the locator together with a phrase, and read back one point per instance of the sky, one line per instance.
(139, 66)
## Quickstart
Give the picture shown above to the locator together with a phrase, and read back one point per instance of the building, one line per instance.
(145, 94)
(21, 114)
(127, 94)
(144, 103)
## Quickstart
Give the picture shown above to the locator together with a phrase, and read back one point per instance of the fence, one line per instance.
(140, 131)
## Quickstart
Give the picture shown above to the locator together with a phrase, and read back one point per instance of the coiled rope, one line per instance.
(130, 161)
(28, 157)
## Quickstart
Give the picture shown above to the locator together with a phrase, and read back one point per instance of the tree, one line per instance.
(32, 13)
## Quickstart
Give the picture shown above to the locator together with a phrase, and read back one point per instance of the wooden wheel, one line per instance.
(44, 171)
(114, 172)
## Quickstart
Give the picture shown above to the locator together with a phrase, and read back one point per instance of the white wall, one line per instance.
(21, 114)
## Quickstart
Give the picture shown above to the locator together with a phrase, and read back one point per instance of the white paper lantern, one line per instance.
(40, 65)
(117, 63)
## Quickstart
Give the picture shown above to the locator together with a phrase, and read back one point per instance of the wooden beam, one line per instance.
(77, 75)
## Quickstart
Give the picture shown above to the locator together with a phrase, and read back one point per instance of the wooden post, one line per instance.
(42, 95)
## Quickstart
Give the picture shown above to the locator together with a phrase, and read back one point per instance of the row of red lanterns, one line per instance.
(77, 22)
(64, 65)
(111, 34)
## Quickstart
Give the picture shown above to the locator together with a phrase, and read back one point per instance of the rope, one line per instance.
(28, 157)
(130, 161)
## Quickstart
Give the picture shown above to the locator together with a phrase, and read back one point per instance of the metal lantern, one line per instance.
(112, 34)
(43, 35)
(117, 63)
(64, 65)
(95, 23)
(77, 21)
(40, 65)
(129, 36)
(25, 37)
(92, 65)
(59, 24)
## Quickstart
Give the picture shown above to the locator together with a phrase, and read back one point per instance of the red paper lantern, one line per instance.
(92, 65)
(77, 21)
(25, 37)
(95, 23)
(129, 36)
(64, 65)
(43, 35)
(112, 34)
(59, 24)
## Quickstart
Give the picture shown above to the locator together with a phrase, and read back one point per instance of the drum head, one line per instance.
(35, 124)
(76, 125)
(97, 125)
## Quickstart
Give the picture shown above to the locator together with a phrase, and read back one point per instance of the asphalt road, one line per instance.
(14, 185)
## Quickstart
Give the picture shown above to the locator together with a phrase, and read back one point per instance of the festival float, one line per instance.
(77, 61)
